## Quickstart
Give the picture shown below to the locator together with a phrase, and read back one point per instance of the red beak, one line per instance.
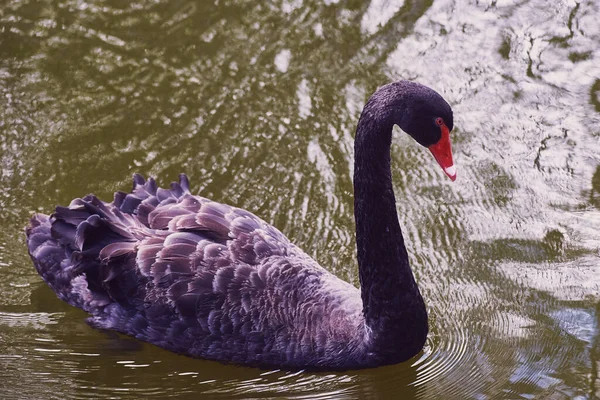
(442, 151)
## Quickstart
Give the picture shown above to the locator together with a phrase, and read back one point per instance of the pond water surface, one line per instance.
(257, 102)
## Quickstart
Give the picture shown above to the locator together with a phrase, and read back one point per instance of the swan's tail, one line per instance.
(51, 260)
(66, 251)
(86, 252)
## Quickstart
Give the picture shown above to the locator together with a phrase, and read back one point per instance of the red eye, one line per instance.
(439, 121)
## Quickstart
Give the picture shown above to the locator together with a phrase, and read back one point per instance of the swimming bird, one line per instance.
(208, 280)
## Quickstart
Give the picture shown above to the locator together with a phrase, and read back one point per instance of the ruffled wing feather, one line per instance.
(194, 276)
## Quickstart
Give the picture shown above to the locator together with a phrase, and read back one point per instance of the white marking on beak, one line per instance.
(451, 170)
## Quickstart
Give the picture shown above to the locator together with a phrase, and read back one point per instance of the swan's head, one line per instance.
(426, 116)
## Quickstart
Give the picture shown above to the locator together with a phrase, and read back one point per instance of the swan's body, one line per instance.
(208, 280)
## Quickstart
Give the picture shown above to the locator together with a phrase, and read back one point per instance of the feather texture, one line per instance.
(197, 277)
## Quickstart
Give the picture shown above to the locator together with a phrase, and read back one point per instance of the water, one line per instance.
(258, 103)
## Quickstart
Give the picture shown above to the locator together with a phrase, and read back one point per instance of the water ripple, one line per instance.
(258, 104)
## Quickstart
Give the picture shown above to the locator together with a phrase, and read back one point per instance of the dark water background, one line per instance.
(257, 102)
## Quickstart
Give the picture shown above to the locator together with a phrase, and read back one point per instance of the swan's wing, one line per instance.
(163, 248)
(160, 234)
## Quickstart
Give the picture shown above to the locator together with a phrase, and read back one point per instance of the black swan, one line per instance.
(208, 280)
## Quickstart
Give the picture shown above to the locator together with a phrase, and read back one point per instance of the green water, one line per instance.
(257, 102)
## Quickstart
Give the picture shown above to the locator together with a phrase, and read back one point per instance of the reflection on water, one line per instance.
(257, 103)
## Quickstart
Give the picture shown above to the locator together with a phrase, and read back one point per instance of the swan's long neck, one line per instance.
(392, 305)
